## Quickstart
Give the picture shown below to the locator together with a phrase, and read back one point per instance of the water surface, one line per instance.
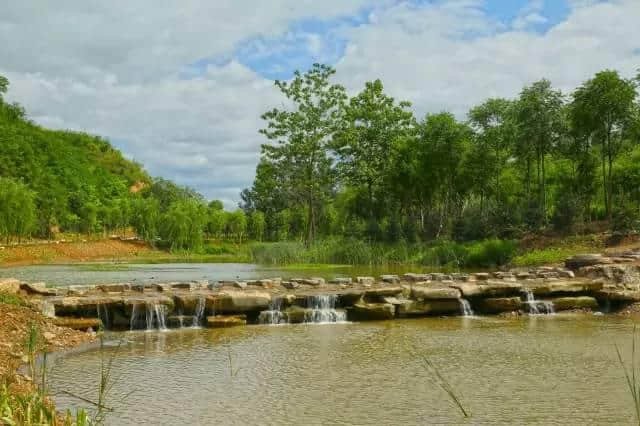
(531, 370)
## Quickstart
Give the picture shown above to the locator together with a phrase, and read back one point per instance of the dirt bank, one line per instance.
(76, 251)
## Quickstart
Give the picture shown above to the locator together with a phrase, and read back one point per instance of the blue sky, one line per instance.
(181, 87)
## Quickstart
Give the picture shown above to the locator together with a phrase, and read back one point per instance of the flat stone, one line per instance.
(524, 276)
(365, 280)
(183, 286)
(498, 305)
(566, 287)
(341, 280)
(223, 321)
(581, 260)
(115, 288)
(411, 277)
(236, 302)
(568, 303)
(371, 311)
(78, 323)
(434, 293)
(488, 289)
(390, 279)
(460, 277)
(615, 295)
(178, 321)
(382, 292)
(37, 288)
(314, 282)
(290, 285)
(240, 284)
(429, 307)
(481, 276)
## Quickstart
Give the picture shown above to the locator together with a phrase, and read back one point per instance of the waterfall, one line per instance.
(323, 309)
(103, 314)
(537, 307)
(465, 307)
(134, 317)
(198, 316)
(274, 315)
(156, 316)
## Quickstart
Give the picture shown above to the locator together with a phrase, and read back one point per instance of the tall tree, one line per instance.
(373, 124)
(302, 134)
(603, 109)
(540, 124)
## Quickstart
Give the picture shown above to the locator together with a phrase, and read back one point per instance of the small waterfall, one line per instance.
(274, 315)
(156, 316)
(465, 307)
(537, 307)
(103, 314)
(323, 309)
(134, 317)
(198, 316)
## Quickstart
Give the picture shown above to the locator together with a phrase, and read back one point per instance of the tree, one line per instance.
(256, 225)
(216, 205)
(603, 108)
(4, 86)
(373, 124)
(145, 215)
(183, 224)
(540, 124)
(216, 222)
(301, 136)
(237, 224)
(17, 210)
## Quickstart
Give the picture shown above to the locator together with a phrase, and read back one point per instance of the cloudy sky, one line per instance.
(179, 86)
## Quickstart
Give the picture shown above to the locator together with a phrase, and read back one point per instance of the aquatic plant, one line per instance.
(444, 384)
(632, 374)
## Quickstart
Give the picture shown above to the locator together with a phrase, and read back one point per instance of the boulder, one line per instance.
(187, 304)
(365, 280)
(179, 321)
(524, 276)
(434, 293)
(503, 275)
(84, 306)
(371, 311)
(141, 302)
(115, 288)
(79, 323)
(481, 276)
(9, 286)
(414, 278)
(348, 298)
(581, 260)
(568, 303)
(240, 284)
(223, 321)
(297, 314)
(234, 301)
(341, 280)
(382, 292)
(460, 277)
(392, 279)
(38, 289)
(429, 307)
(314, 282)
(266, 283)
(566, 287)
(498, 305)
(488, 289)
(290, 285)
(183, 286)
(78, 290)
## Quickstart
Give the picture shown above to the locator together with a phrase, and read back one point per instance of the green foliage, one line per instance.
(12, 299)
(182, 226)
(17, 209)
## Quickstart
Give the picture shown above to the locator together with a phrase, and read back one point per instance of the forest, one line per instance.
(357, 170)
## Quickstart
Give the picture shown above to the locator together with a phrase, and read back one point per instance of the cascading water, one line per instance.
(274, 315)
(103, 314)
(465, 307)
(323, 309)
(134, 317)
(198, 316)
(537, 307)
(156, 316)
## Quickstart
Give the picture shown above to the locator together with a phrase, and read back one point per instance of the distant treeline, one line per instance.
(366, 167)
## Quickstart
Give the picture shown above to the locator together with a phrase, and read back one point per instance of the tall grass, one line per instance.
(632, 375)
(488, 253)
(444, 384)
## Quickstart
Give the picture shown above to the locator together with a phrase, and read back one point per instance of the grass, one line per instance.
(12, 299)
(632, 375)
(557, 253)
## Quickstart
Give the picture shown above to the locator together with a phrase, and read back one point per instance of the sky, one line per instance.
(180, 86)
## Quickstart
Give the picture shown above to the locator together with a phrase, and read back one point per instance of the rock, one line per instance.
(37, 288)
(568, 303)
(84, 306)
(566, 287)
(160, 287)
(187, 304)
(141, 303)
(289, 285)
(78, 323)
(183, 286)
(581, 260)
(266, 283)
(114, 288)
(234, 302)
(503, 275)
(390, 279)
(481, 276)
(382, 292)
(45, 307)
(350, 297)
(371, 311)
(48, 336)
(524, 276)
(9, 286)
(498, 305)
(78, 290)
(315, 282)
(414, 278)
(547, 275)
(240, 284)
(488, 289)
(341, 280)
(566, 274)
(434, 293)
(460, 277)
(223, 321)
(365, 280)
(395, 300)
(139, 288)
(428, 307)
(297, 314)
(615, 295)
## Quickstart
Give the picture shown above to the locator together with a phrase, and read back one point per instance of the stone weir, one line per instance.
(126, 306)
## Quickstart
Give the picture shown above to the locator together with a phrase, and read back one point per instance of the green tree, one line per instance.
(603, 108)
(302, 135)
(257, 225)
(145, 216)
(17, 210)
(216, 222)
(183, 224)
(373, 124)
(237, 224)
(540, 125)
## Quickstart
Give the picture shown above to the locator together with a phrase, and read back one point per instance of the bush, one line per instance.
(491, 253)
(625, 218)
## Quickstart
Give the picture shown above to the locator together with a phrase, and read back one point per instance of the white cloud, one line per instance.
(114, 68)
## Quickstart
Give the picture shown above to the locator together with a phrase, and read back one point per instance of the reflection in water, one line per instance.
(530, 370)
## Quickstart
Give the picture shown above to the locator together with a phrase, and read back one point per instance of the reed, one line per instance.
(444, 384)
(632, 375)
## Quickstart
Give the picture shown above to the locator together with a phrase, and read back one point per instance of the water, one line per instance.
(274, 314)
(538, 370)
(323, 309)
(151, 316)
(538, 307)
(465, 307)
(198, 317)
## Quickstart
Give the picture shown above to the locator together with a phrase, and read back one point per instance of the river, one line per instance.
(559, 369)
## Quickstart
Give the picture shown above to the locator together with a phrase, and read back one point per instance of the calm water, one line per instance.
(109, 273)
(544, 370)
